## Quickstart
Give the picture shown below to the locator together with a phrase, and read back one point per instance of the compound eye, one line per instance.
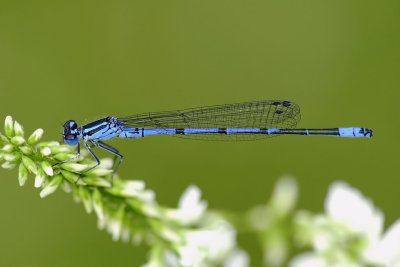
(73, 125)
(70, 125)
(71, 139)
(71, 133)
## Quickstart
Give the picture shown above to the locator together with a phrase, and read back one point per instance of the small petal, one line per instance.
(70, 176)
(214, 243)
(18, 130)
(26, 150)
(35, 136)
(8, 165)
(74, 167)
(303, 228)
(46, 167)
(131, 188)
(29, 164)
(134, 189)
(45, 151)
(114, 228)
(98, 204)
(11, 156)
(170, 234)
(125, 235)
(8, 126)
(191, 200)
(260, 217)
(342, 202)
(39, 178)
(238, 258)
(308, 260)
(60, 149)
(8, 148)
(96, 181)
(99, 172)
(190, 208)
(66, 187)
(284, 197)
(387, 251)
(3, 138)
(276, 249)
(22, 174)
(49, 143)
(52, 186)
(64, 156)
(17, 140)
(86, 199)
(106, 163)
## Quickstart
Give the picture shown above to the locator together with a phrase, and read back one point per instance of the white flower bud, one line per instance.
(35, 136)
(52, 186)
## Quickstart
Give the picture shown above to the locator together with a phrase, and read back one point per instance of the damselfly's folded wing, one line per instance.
(258, 114)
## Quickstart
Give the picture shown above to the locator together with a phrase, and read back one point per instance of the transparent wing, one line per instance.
(258, 114)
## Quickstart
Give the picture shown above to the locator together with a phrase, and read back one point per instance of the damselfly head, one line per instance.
(71, 133)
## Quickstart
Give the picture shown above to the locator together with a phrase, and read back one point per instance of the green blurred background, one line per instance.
(339, 60)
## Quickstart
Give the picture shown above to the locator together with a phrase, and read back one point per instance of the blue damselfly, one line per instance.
(235, 122)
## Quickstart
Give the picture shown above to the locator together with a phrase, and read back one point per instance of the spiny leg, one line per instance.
(112, 150)
(94, 156)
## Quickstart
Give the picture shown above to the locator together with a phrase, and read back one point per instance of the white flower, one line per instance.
(46, 167)
(308, 259)
(267, 220)
(135, 189)
(349, 234)
(208, 245)
(35, 136)
(190, 208)
(39, 179)
(52, 186)
(238, 258)
(165, 259)
(284, 197)
(347, 206)
(114, 228)
(387, 250)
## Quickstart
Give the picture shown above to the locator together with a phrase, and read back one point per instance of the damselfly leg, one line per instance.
(111, 150)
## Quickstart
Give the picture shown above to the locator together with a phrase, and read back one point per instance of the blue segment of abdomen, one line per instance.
(143, 132)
